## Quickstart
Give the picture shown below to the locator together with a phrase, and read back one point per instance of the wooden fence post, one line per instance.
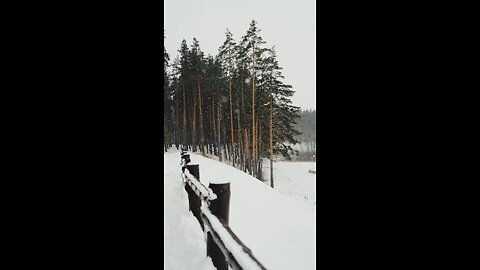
(219, 207)
(194, 202)
(186, 156)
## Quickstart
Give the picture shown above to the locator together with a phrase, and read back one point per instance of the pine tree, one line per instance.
(251, 47)
(233, 105)
(167, 100)
(183, 77)
(226, 56)
(282, 113)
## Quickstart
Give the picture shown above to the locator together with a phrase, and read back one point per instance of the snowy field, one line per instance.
(278, 228)
(293, 179)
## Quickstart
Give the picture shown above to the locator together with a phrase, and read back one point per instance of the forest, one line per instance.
(306, 149)
(234, 105)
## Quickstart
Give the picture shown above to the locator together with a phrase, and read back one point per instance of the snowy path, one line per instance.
(184, 243)
(279, 231)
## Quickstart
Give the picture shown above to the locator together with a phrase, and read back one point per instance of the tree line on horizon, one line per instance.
(306, 125)
(234, 105)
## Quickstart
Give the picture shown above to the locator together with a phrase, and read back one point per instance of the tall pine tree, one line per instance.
(234, 105)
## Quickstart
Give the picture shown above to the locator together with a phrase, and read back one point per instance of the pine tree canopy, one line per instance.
(235, 105)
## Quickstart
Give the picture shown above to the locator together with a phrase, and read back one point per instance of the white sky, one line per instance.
(289, 25)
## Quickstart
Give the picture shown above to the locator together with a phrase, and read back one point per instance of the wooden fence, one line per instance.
(223, 246)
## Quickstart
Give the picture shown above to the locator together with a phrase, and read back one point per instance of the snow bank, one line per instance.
(184, 242)
(278, 230)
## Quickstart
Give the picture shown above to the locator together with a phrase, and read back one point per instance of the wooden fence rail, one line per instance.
(223, 246)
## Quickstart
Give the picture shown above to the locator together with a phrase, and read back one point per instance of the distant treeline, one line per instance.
(306, 125)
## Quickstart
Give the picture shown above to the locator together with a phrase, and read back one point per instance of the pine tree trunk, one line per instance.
(271, 173)
(201, 117)
(214, 129)
(247, 151)
(253, 112)
(231, 116)
(231, 110)
(245, 146)
(259, 153)
(243, 113)
(219, 130)
(239, 142)
(271, 134)
(176, 120)
(225, 144)
(184, 120)
(194, 122)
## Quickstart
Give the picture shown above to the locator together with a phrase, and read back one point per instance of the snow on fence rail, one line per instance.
(200, 190)
(223, 246)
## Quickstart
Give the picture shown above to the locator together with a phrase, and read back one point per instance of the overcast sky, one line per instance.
(289, 25)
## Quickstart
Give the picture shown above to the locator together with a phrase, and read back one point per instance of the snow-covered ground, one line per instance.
(184, 243)
(294, 179)
(279, 229)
